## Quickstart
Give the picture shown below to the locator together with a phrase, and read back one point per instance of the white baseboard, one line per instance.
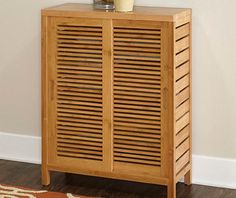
(210, 171)
(20, 148)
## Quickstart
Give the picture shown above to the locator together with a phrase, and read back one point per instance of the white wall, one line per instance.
(214, 70)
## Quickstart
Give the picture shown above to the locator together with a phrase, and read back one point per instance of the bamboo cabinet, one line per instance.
(117, 93)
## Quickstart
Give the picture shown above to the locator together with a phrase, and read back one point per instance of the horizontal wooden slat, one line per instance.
(137, 31)
(133, 94)
(80, 79)
(73, 79)
(137, 40)
(137, 143)
(183, 172)
(80, 90)
(135, 156)
(79, 138)
(79, 142)
(75, 65)
(138, 112)
(182, 71)
(182, 161)
(79, 33)
(182, 135)
(133, 138)
(137, 120)
(135, 54)
(80, 116)
(143, 45)
(139, 49)
(135, 76)
(79, 55)
(137, 58)
(137, 62)
(182, 44)
(154, 36)
(136, 116)
(77, 69)
(87, 42)
(79, 28)
(124, 88)
(79, 146)
(137, 147)
(77, 85)
(182, 109)
(82, 47)
(76, 129)
(78, 124)
(142, 68)
(137, 107)
(182, 96)
(138, 152)
(138, 98)
(182, 83)
(182, 31)
(79, 120)
(128, 124)
(137, 84)
(85, 59)
(131, 160)
(138, 134)
(80, 108)
(182, 148)
(182, 57)
(155, 106)
(79, 37)
(98, 52)
(136, 129)
(80, 133)
(183, 20)
(79, 98)
(79, 151)
(182, 122)
(76, 155)
(82, 95)
(79, 112)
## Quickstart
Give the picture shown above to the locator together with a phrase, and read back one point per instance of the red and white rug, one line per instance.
(16, 192)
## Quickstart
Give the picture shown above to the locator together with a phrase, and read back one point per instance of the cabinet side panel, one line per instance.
(183, 100)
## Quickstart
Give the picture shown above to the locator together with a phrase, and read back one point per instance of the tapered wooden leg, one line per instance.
(188, 178)
(171, 191)
(45, 176)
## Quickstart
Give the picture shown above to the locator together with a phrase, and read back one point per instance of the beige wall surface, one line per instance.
(214, 70)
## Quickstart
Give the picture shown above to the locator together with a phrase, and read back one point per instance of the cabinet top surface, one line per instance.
(139, 13)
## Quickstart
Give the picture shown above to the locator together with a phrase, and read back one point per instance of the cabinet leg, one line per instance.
(171, 191)
(188, 178)
(45, 176)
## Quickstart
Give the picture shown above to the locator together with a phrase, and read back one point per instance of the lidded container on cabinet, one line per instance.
(104, 4)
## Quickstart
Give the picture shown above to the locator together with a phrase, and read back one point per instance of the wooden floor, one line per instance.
(28, 175)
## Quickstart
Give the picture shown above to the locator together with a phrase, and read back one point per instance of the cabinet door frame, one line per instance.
(49, 77)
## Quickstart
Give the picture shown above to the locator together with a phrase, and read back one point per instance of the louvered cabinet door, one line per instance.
(139, 129)
(77, 134)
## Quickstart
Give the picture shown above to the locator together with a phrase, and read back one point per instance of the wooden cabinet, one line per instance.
(117, 93)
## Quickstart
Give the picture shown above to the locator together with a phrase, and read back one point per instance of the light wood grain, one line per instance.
(117, 93)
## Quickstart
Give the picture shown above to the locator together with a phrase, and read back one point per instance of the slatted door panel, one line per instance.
(79, 93)
(137, 97)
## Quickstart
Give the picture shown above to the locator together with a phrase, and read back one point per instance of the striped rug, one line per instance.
(17, 192)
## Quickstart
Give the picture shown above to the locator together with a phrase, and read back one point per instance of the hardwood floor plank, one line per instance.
(28, 175)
